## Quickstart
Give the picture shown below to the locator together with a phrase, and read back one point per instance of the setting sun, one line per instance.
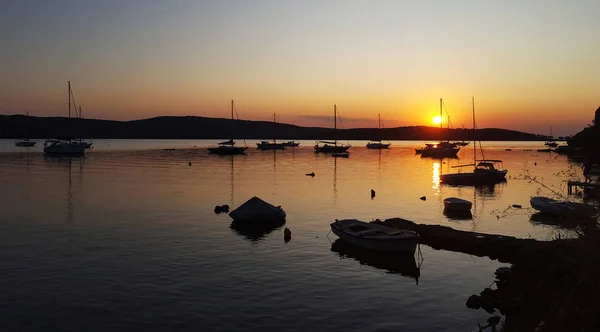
(437, 119)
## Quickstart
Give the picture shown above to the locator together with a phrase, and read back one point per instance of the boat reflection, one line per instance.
(553, 220)
(397, 263)
(254, 232)
(458, 215)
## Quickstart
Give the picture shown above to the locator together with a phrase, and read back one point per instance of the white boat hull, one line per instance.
(406, 244)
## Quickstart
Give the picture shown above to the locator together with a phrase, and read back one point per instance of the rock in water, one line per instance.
(218, 209)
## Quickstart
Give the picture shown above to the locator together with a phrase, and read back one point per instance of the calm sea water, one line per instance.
(126, 238)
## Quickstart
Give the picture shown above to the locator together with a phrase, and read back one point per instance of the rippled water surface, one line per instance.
(126, 238)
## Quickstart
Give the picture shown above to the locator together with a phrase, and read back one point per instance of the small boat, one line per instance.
(25, 142)
(462, 143)
(457, 204)
(544, 150)
(267, 145)
(551, 142)
(291, 144)
(228, 147)
(375, 236)
(552, 206)
(257, 211)
(331, 146)
(377, 144)
(341, 154)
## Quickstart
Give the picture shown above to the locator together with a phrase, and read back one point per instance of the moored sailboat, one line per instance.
(377, 144)
(441, 149)
(267, 145)
(331, 146)
(25, 142)
(485, 171)
(67, 146)
(228, 147)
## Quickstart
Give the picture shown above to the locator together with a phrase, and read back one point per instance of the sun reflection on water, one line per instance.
(436, 175)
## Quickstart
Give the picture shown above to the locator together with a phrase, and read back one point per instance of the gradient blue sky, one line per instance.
(529, 64)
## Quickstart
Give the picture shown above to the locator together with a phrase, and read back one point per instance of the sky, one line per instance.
(530, 65)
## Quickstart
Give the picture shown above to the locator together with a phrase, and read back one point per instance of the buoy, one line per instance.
(518, 206)
(287, 232)
(311, 174)
(423, 198)
(535, 164)
(225, 208)
(218, 209)
(372, 193)
(190, 163)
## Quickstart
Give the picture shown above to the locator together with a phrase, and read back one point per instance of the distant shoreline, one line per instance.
(192, 127)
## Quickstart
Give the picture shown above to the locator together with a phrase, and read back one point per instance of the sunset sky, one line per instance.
(529, 64)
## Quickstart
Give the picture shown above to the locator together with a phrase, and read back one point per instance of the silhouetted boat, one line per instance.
(64, 146)
(255, 211)
(375, 236)
(457, 204)
(551, 142)
(556, 207)
(441, 149)
(401, 263)
(462, 143)
(329, 146)
(228, 147)
(26, 142)
(291, 144)
(484, 172)
(267, 145)
(377, 144)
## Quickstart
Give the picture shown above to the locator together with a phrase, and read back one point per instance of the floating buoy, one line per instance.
(518, 206)
(225, 208)
(221, 209)
(535, 164)
(311, 174)
(372, 193)
(190, 163)
(218, 209)
(423, 198)
(287, 232)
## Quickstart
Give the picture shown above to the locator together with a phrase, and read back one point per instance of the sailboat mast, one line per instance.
(69, 84)
(474, 144)
(335, 122)
(274, 140)
(441, 113)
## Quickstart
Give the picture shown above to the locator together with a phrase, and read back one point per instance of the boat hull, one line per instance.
(227, 151)
(64, 149)
(457, 205)
(406, 244)
(470, 179)
(378, 146)
(25, 144)
(270, 146)
(291, 144)
(440, 152)
(331, 148)
(551, 206)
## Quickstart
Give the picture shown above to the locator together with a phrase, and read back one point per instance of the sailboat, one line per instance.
(484, 172)
(551, 142)
(88, 144)
(292, 143)
(64, 146)
(267, 145)
(376, 144)
(441, 149)
(329, 146)
(228, 147)
(25, 142)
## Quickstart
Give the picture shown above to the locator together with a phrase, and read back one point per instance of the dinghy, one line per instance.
(552, 206)
(457, 204)
(375, 236)
(258, 211)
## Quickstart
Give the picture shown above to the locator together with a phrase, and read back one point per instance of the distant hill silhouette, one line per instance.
(193, 127)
